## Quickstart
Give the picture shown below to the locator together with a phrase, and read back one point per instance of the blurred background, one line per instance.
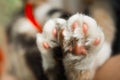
(8, 8)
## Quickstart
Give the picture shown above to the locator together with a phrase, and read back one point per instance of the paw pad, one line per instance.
(85, 28)
(74, 25)
(54, 32)
(45, 45)
(97, 41)
(80, 50)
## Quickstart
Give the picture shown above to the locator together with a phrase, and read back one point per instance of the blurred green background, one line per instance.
(7, 8)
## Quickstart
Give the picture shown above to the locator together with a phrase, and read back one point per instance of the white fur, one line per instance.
(24, 26)
(41, 12)
(47, 57)
(103, 54)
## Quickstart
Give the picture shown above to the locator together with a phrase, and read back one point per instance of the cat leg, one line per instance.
(50, 49)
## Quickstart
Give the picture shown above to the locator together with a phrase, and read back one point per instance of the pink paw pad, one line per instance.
(74, 25)
(54, 32)
(45, 45)
(80, 50)
(85, 28)
(97, 41)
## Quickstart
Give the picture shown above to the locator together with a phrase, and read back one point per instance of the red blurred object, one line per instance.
(29, 15)
(1, 60)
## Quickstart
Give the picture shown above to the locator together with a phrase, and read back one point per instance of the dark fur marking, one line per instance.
(64, 14)
(26, 41)
(86, 11)
(32, 55)
(33, 60)
(59, 68)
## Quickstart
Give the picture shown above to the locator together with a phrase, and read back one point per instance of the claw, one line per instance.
(45, 45)
(75, 24)
(97, 41)
(85, 28)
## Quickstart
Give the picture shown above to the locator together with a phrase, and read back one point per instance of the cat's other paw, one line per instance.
(49, 38)
(52, 27)
(51, 30)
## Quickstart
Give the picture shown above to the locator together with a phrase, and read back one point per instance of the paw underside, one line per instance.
(80, 35)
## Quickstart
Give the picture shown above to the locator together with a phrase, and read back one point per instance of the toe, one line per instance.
(85, 28)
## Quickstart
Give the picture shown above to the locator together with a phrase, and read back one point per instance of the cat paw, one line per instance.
(82, 36)
(48, 39)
